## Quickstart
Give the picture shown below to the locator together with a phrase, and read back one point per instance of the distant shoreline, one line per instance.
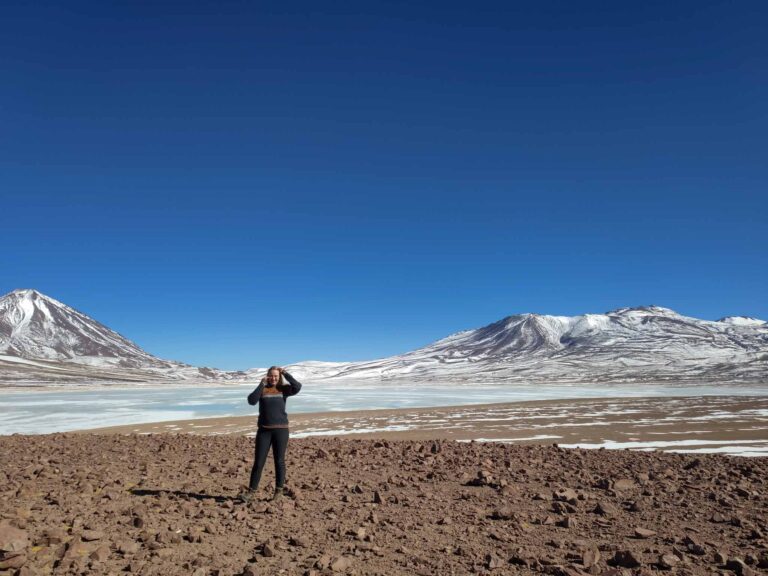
(726, 424)
(13, 388)
(122, 385)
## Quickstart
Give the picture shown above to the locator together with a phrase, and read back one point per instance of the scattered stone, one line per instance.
(492, 562)
(101, 554)
(590, 557)
(623, 484)
(694, 546)
(668, 561)
(503, 513)
(54, 536)
(605, 509)
(644, 533)
(566, 495)
(695, 463)
(13, 562)
(341, 564)
(625, 559)
(12, 539)
(676, 520)
(77, 549)
(127, 547)
(739, 567)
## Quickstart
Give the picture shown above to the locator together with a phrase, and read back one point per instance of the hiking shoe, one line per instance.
(278, 494)
(246, 495)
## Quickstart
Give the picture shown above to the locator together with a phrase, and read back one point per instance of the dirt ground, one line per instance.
(166, 504)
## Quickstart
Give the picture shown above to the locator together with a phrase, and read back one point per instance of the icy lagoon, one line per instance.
(40, 412)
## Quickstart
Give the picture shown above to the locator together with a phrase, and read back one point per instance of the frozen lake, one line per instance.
(40, 412)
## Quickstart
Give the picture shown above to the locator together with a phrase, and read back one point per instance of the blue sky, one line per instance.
(241, 184)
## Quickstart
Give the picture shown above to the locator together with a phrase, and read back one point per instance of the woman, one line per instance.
(273, 427)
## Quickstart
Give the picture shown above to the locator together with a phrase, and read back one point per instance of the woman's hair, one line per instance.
(281, 382)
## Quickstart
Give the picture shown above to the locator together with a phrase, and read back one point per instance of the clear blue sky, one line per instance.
(238, 184)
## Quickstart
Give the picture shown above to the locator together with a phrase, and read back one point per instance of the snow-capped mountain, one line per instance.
(43, 340)
(649, 344)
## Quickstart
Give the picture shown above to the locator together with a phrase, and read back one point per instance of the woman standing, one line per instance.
(271, 395)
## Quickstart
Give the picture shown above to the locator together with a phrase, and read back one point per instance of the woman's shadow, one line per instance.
(182, 494)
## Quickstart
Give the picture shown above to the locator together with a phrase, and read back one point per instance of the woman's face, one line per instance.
(273, 377)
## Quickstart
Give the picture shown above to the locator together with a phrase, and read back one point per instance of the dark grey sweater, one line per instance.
(271, 401)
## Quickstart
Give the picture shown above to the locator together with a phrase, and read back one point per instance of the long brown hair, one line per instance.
(281, 382)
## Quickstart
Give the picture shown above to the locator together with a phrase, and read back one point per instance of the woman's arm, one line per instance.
(294, 387)
(254, 396)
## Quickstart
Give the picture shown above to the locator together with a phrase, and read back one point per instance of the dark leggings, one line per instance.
(277, 438)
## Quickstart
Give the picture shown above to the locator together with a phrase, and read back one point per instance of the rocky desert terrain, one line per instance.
(167, 504)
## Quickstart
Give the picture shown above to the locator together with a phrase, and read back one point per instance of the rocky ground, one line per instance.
(736, 425)
(166, 504)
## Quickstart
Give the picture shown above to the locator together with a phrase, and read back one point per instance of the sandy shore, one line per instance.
(727, 424)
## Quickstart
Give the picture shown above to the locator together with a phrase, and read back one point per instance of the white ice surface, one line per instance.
(40, 412)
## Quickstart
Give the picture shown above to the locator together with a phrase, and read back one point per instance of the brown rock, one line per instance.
(625, 559)
(299, 542)
(605, 509)
(590, 557)
(668, 561)
(341, 564)
(762, 560)
(77, 550)
(644, 533)
(126, 546)
(267, 550)
(694, 546)
(91, 535)
(503, 513)
(13, 562)
(695, 463)
(492, 562)
(520, 559)
(739, 567)
(566, 495)
(55, 536)
(101, 554)
(623, 484)
(12, 539)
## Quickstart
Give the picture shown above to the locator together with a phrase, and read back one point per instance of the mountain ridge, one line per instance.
(43, 340)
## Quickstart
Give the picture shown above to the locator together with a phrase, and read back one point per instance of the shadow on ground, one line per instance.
(182, 494)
